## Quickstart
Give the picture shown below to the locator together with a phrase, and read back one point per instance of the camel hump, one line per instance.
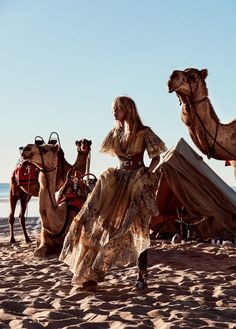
(25, 173)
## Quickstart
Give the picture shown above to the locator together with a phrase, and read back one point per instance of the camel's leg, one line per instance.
(45, 245)
(11, 218)
(24, 202)
(48, 244)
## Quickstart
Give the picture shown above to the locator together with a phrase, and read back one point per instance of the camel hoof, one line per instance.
(12, 240)
(40, 252)
(27, 240)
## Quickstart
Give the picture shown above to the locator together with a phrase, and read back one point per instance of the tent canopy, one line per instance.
(189, 188)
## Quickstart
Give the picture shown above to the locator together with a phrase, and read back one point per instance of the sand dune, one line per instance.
(191, 285)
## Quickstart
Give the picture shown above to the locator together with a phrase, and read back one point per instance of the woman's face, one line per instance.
(118, 112)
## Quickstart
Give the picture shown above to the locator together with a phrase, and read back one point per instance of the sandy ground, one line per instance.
(191, 285)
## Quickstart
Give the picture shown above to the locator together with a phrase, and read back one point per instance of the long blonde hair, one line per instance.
(132, 122)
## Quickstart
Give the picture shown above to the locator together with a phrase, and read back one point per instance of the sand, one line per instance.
(191, 285)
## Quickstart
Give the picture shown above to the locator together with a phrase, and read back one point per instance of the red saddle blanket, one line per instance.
(26, 173)
(72, 199)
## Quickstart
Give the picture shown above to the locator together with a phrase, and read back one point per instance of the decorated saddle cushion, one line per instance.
(26, 173)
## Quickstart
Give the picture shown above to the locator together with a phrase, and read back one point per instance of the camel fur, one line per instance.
(213, 138)
(53, 215)
(23, 193)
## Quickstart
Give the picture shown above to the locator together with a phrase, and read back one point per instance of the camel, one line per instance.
(55, 218)
(212, 138)
(23, 192)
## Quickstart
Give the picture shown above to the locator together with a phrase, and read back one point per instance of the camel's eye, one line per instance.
(43, 149)
(193, 77)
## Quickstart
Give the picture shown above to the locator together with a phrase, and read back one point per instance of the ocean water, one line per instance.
(32, 208)
(4, 190)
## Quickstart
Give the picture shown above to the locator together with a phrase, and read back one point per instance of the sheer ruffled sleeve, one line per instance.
(154, 145)
(108, 144)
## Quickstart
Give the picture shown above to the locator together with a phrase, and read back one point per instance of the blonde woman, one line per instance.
(112, 228)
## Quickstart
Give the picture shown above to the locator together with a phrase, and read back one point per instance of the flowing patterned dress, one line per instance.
(112, 228)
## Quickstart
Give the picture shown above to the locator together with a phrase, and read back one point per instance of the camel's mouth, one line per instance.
(85, 149)
(173, 87)
(26, 156)
(170, 86)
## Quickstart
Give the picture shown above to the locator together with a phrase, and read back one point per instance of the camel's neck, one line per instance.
(81, 162)
(213, 138)
(47, 190)
(62, 170)
(202, 122)
(199, 115)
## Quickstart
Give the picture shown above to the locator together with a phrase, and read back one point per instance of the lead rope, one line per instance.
(45, 173)
(28, 195)
(211, 149)
(54, 206)
(88, 167)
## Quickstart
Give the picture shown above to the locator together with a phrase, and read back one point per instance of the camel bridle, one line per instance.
(191, 103)
(67, 219)
(45, 171)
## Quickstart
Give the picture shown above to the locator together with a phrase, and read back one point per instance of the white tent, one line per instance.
(189, 190)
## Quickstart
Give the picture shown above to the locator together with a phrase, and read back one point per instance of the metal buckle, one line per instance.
(127, 163)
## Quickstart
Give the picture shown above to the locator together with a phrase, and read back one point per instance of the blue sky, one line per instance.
(62, 62)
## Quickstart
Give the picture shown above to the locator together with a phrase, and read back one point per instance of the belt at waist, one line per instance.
(128, 165)
(131, 162)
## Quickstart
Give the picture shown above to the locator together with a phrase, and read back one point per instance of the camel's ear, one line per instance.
(90, 142)
(204, 74)
(60, 152)
(78, 143)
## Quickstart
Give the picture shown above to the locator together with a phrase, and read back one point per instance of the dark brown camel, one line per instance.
(23, 191)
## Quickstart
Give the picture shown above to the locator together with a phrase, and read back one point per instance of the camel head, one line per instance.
(83, 146)
(43, 156)
(190, 83)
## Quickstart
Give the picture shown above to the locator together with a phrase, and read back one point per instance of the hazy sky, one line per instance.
(62, 62)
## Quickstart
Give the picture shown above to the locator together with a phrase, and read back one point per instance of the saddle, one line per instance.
(76, 190)
(73, 200)
(25, 173)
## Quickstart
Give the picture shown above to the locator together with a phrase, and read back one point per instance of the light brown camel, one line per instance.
(213, 138)
(55, 218)
(22, 192)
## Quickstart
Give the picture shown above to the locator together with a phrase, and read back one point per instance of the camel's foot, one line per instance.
(27, 239)
(41, 251)
(12, 240)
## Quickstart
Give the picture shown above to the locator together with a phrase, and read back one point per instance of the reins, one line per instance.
(210, 148)
(80, 184)
(28, 195)
(45, 171)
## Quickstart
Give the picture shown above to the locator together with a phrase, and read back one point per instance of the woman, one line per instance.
(112, 228)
